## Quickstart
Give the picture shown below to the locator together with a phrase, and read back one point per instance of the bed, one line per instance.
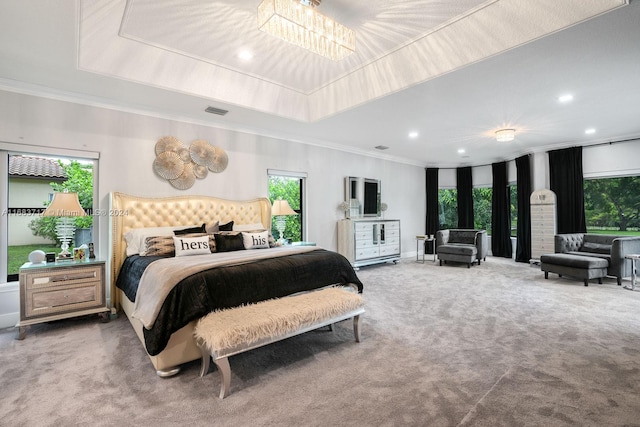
(164, 315)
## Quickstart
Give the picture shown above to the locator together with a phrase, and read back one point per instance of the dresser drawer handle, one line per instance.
(72, 277)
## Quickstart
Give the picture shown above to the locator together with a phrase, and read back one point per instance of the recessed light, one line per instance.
(413, 134)
(590, 131)
(565, 98)
(461, 151)
(245, 55)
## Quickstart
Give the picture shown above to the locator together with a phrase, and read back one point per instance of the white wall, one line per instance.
(125, 143)
(26, 193)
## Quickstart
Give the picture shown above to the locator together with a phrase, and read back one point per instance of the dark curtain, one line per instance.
(465, 197)
(433, 220)
(500, 212)
(565, 177)
(523, 246)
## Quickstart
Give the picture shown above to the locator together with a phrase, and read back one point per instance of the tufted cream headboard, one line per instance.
(127, 212)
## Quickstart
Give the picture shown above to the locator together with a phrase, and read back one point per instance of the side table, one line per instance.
(424, 239)
(60, 290)
(633, 258)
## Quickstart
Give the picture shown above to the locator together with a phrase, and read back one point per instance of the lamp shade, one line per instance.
(281, 207)
(64, 204)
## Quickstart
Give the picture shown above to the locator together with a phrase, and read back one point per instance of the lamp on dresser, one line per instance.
(281, 209)
(64, 206)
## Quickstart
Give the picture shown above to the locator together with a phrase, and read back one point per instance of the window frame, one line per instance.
(7, 149)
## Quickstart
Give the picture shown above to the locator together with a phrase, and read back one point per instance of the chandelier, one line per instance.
(297, 22)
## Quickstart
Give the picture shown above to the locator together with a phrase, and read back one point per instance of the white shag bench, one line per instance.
(224, 333)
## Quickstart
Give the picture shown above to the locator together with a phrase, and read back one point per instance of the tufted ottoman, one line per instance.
(582, 267)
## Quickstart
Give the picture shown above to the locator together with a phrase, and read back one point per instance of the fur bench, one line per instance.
(224, 333)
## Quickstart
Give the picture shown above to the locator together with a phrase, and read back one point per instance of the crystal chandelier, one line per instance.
(297, 22)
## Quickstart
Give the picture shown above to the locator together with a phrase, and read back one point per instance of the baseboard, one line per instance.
(9, 320)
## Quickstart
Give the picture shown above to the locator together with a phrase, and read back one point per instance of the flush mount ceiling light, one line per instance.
(505, 135)
(297, 22)
(565, 98)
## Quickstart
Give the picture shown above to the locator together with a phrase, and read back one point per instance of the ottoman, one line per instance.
(458, 252)
(582, 267)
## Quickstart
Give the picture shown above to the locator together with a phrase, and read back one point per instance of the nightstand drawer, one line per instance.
(48, 279)
(46, 301)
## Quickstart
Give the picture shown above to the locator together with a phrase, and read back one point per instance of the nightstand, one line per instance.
(54, 291)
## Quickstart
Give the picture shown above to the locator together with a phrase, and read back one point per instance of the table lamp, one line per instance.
(280, 210)
(64, 206)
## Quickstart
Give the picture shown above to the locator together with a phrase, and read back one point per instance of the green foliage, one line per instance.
(513, 194)
(79, 180)
(612, 202)
(448, 206)
(18, 255)
(287, 188)
(482, 208)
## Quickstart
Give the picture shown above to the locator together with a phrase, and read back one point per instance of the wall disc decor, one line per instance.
(201, 152)
(181, 165)
(200, 171)
(186, 178)
(219, 162)
(184, 155)
(168, 143)
(168, 165)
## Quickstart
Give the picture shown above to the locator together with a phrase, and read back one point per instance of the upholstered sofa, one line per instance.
(462, 245)
(583, 255)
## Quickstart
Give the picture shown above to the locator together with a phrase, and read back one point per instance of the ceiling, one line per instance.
(452, 71)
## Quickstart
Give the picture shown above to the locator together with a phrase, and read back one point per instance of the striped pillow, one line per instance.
(163, 245)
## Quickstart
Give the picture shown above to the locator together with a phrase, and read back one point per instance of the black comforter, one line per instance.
(234, 285)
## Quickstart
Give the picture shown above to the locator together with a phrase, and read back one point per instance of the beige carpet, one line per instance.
(494, 345)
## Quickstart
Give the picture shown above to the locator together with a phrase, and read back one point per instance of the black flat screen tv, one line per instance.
(371, 197)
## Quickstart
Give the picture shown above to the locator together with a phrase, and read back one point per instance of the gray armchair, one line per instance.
(462, 245)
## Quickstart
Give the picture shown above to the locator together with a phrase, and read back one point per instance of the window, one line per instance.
(513, 195)
(448, 208)
(31, 181)
(289, 186)
(612, 205)
(482, 208)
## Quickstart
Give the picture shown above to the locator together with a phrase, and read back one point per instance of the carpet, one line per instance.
(493, 345)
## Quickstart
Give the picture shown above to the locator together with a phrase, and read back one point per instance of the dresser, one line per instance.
(543, 223)
(369, 241)
(54, 291)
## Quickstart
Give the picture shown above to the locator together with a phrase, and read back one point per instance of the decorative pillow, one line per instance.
(227, 242)
(256, 240)
(190, 230)
(159, 246)
(192, 245)
(212, 227)
(595, 248)
(226, 227)
(136, 237)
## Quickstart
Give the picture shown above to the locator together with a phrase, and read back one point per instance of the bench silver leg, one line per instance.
(356, 327)
(225, 372)
(204, 365)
